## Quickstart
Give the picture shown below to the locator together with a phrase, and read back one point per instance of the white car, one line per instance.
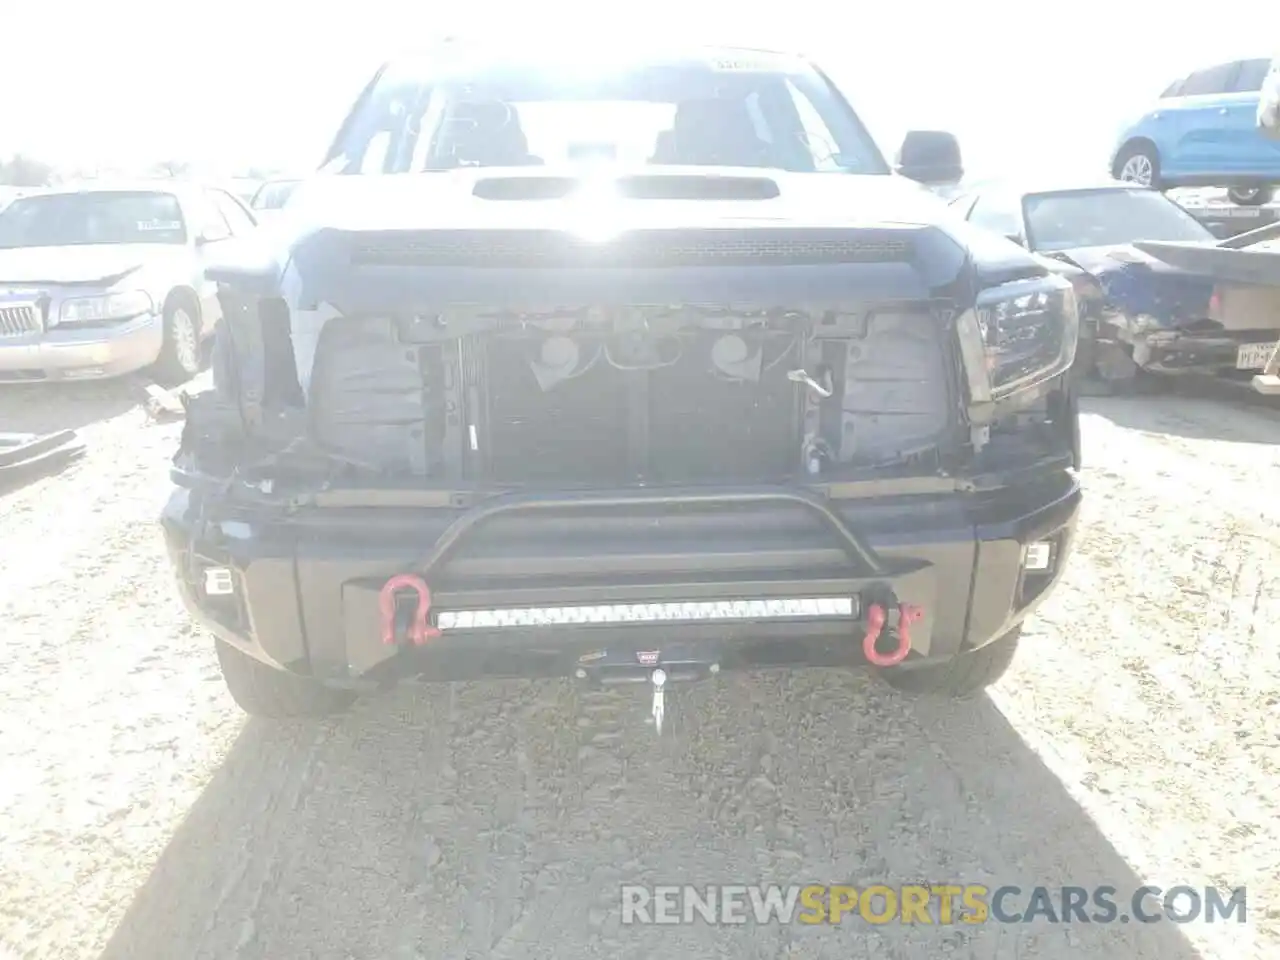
(105, 279)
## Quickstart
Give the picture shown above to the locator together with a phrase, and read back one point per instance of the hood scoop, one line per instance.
(641, 187)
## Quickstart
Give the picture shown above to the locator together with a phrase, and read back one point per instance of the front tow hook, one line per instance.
(660, 680)
(886, 643)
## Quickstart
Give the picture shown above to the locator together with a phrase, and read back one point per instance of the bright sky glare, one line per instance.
(240, 83)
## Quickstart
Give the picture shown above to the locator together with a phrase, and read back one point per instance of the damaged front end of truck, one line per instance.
(650, 455)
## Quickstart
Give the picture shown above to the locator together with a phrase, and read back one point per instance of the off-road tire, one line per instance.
(177, 365)
(964, 676)
(261, 691)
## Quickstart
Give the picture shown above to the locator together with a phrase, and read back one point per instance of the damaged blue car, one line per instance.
(1138, 314)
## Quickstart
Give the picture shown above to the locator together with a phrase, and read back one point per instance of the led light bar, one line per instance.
(703, 611)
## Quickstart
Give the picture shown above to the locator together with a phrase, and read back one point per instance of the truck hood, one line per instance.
(592, 203)
(732, 195)
(89, 264)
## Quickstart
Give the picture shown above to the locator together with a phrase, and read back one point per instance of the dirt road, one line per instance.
(1137, 740)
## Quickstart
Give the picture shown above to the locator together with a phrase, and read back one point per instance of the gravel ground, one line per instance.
(1136, 740)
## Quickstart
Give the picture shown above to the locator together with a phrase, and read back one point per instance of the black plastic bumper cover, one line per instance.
(306, 586)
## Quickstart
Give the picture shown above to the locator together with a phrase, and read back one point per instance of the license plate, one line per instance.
(1244, 212)
(1254, 356)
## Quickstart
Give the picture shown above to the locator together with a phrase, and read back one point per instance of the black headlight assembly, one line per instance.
(1018, 336)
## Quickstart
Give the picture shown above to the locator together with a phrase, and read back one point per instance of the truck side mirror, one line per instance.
(930, 157)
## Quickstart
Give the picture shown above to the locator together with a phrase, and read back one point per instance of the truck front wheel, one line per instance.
(966, 675)
(261, 691)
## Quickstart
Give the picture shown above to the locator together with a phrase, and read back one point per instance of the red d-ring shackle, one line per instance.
(420, 631)
(908, 614)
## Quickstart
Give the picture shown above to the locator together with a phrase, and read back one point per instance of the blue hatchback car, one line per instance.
(1203, 131)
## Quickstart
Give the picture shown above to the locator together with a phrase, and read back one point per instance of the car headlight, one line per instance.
(1019, 334)
(106, 308)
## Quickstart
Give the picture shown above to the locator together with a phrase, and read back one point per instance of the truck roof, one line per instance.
(481, 55)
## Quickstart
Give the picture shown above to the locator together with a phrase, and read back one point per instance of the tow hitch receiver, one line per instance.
(655, 668)
(659, 710)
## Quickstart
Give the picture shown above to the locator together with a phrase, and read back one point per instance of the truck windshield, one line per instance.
(747, 111)
(1101, 218)
(70, 219)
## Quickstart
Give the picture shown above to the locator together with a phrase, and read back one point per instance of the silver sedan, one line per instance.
(103, 280)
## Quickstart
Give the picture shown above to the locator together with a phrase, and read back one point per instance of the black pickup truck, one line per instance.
(724, 390)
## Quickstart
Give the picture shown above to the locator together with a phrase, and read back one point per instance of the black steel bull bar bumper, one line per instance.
(854, 546)
(884, 629)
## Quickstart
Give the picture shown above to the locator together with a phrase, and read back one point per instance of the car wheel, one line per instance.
(1138, 163)
(179, 359)
(262, 691)
(1250, 196)
(965, 675)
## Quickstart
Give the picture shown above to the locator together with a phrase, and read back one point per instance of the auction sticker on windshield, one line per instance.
(159, 225)
(738, 64)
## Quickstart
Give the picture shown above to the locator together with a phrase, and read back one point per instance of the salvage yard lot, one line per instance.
(1136, 740)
